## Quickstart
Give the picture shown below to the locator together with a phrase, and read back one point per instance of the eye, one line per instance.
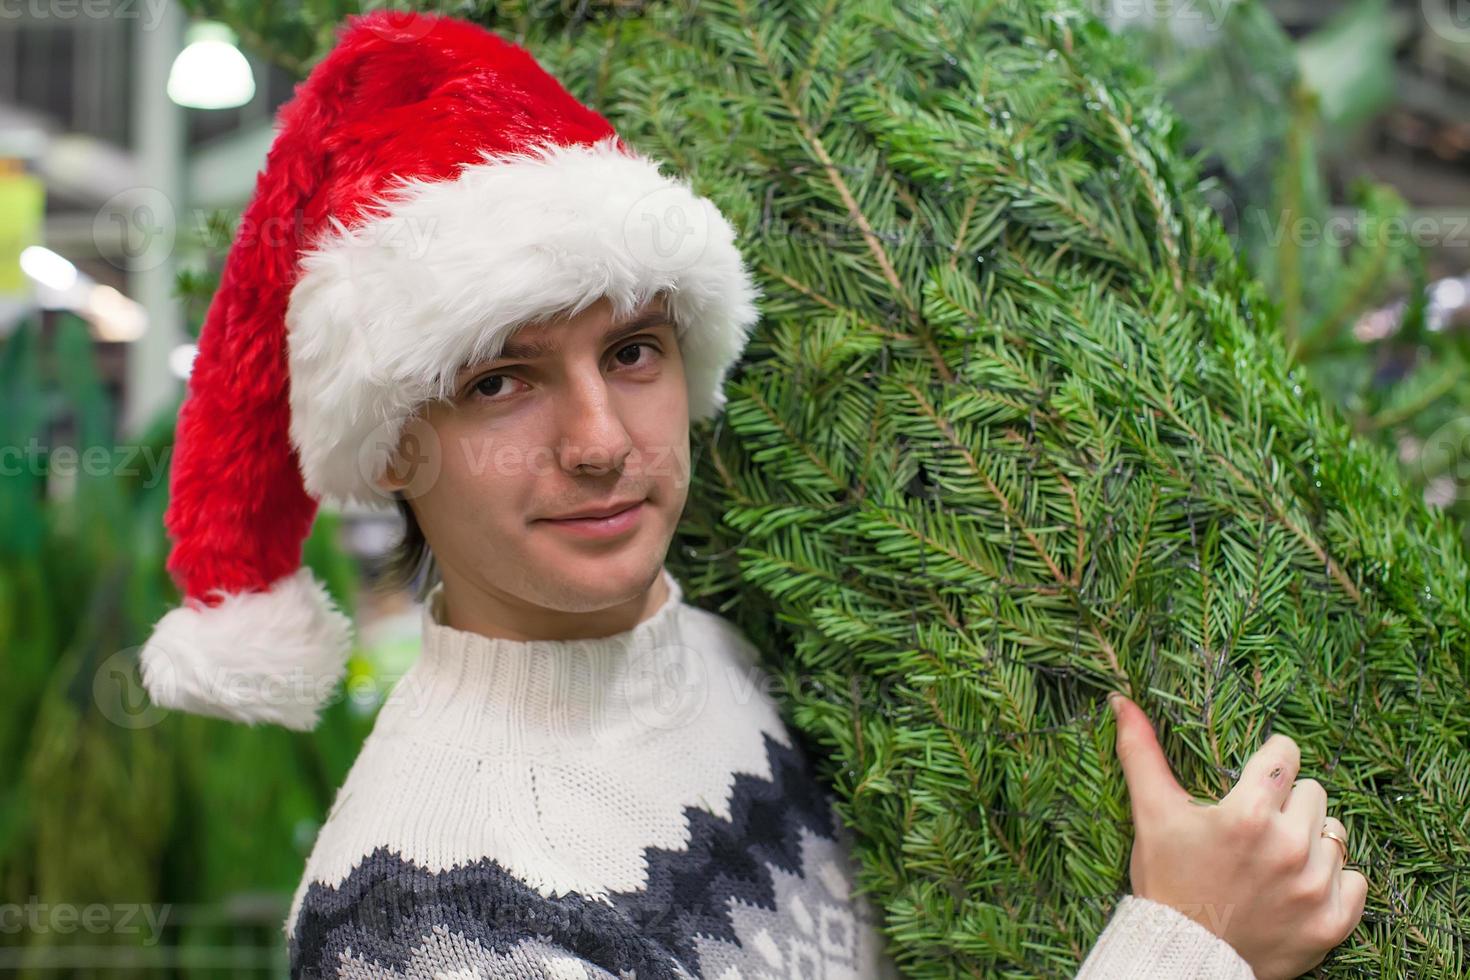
(487, 387)
(635, 346)
(490, 387)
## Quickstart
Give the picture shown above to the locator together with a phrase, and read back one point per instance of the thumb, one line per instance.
(1152, 787)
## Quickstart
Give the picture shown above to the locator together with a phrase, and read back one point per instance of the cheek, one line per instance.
(476, 452)
(675, 437)
(469, 457)
(663, 450)
(482, 476)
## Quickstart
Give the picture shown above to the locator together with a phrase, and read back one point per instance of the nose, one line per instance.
(592, 437)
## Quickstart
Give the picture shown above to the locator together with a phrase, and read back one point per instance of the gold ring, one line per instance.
(1342, 844)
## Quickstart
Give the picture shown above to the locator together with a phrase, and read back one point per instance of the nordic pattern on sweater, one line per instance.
(762, 895)
(756, 883)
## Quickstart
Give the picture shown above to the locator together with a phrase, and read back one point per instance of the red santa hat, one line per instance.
(430, 190)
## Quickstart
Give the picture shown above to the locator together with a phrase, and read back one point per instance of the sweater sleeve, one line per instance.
(1147, 940)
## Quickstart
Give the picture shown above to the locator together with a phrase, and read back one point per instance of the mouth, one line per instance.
(611, 523)
(597, 513)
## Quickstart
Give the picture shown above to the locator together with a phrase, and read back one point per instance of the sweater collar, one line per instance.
(540, 695)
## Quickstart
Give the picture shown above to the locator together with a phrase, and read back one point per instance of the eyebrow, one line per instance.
(531, 350)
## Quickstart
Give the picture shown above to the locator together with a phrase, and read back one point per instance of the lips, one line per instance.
(616, 527)
(596, 512)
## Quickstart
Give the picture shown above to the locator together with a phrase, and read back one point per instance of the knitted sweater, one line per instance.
(631, 805)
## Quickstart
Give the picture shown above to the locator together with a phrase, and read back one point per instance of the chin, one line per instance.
(585, 580)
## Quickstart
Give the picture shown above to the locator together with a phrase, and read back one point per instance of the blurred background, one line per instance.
(1336, 140)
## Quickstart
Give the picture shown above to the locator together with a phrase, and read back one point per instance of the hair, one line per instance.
(411, 557)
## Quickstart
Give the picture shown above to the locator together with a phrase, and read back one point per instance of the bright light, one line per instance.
(210, 73)
(48, 268)
(181, 360)
(114, 317)
(1450, 293)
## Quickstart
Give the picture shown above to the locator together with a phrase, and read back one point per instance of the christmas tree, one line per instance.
(1019, 428)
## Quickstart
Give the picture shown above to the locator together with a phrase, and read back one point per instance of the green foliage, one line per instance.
(107, 799)
(1263, 113)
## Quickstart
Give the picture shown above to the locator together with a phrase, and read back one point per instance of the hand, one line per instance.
(1253, 868)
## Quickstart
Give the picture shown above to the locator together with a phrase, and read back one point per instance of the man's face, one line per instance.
(599, 418)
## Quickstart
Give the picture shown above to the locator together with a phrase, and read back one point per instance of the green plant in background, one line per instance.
(108, 801)
(87, 804)
(1020, 427)
(1257, 105)
(1263, 111)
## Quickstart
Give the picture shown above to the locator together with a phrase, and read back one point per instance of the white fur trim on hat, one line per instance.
(386, 312)
(273, 656)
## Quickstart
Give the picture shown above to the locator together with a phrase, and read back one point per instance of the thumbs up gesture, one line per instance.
(1257, 869)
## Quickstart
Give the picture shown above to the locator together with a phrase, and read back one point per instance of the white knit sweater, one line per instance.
(625, 806)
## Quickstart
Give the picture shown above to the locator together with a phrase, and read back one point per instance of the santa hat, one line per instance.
(430, 190)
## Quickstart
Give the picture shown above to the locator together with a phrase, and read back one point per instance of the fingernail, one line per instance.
(1113, 698)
